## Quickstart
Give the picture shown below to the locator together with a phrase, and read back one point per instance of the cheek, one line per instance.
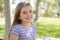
(22, 17)
(32, 15)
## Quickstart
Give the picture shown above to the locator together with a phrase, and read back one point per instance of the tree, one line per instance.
(1, 7)
(37, 5)
(7, 17)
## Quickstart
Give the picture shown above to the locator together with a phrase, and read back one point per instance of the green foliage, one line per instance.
(51, 7)
(1, 2)
(48, 27)
(1, 7)
(45, 27)
(2, 31)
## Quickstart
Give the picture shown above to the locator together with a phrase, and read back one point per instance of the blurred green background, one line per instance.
(48, 22)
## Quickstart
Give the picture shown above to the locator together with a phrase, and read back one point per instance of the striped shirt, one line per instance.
(24, 33)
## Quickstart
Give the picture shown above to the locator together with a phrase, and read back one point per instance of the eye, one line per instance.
(24, 12)
(30, 11)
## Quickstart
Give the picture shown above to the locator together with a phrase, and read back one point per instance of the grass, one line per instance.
(45, 27)
(1, 30)
(48, 27)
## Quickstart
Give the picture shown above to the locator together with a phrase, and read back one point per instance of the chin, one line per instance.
(29, 21)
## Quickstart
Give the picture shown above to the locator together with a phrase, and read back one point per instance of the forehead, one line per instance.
(26, 8)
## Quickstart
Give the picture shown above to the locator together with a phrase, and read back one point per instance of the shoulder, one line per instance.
(18, 26)
(15, 29)
(34, 27)
(33, 24)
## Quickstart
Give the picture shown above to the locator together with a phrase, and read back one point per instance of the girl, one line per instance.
(22, 27)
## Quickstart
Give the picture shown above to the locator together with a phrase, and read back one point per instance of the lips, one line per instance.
(29, 18)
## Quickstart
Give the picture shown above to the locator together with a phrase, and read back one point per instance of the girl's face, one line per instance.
(26, 14)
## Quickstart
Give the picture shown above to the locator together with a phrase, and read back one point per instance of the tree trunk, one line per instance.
(37, 5)
(7, 17)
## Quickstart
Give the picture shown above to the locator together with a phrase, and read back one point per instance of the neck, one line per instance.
(25, 24)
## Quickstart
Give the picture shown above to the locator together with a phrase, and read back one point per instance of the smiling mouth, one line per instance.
(29, 18)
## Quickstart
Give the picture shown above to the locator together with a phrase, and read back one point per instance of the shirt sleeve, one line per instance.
(34, 28)
(15, 30)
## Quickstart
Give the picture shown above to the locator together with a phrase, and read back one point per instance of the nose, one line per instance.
(29, 14)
